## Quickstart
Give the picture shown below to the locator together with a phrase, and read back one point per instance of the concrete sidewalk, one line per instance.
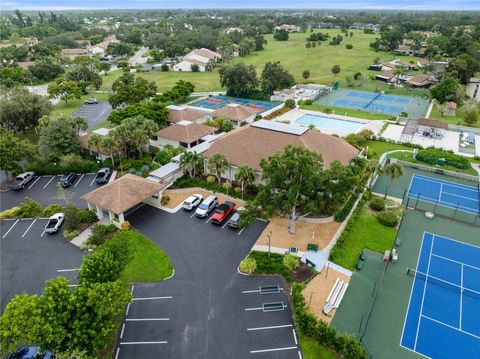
(82, 237)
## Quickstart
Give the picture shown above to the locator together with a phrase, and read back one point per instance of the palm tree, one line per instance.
(191, 161)
(217, 164)
(109, 145)
(245, 175)
(392, 171)
(93, 143)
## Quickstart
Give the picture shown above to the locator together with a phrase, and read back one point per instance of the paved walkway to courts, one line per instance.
(381, 329)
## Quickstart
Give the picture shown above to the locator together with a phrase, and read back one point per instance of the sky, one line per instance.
(266, 4)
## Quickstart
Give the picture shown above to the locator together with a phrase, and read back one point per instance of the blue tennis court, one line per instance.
(443, 316)
(448, 194)
(216, 102)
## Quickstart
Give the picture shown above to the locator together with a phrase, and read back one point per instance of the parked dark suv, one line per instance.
(68, 179)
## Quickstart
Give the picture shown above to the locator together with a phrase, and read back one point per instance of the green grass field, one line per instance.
(459, 119)
(312, 350)
(149, 264)
(367, 232)
(295, 57)
(346, 112)
(380, 147)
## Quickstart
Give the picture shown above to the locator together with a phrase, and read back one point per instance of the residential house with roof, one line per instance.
(288, 27)
(473, 88)
(249, 144)
(98, 153)
(183, 133)
(203, 58)
(71, 54)
(180, 113)
(101, 48)
(421, 81)
(235, 112)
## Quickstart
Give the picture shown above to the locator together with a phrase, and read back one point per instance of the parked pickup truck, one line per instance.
(222, 212)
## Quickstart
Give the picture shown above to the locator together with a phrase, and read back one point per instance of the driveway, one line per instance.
(43, 189)
(29, 257)
(95, 114)
(207, 309)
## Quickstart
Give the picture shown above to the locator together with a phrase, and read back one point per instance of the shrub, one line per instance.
(345, 210)
(165, 199)
(237, 190)
(434, 156)
(126, 226)
(69, 235)
(211, 179)
(10, 213)
(291, 262)
(227, 185)
(377, 203)
(72, 217)
(349, 46)
(88, 216)
(290, 103)
(78, 165)
(100, 234)
(30, 208)
(248, 265)
(307, 102)
(388, 218)
(52, 209)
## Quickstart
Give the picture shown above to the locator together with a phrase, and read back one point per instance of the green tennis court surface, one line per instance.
(381, 334)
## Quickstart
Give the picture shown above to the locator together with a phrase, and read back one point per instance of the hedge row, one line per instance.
(185, 182)
(345, 344)
(52, 169)
(349, 226)
(434, 156)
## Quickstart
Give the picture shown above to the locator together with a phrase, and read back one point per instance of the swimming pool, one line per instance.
(330, 125)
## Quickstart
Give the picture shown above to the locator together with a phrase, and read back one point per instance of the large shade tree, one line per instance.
(12, 151)
(239, 79)
(275, 77)
(129, 90)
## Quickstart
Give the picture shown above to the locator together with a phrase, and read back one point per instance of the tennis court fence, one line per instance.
(417, 202)
(438, 170)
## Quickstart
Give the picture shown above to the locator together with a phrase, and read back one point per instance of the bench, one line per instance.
(310, 263)
(362, 255)
(311, 247)
(359, 264)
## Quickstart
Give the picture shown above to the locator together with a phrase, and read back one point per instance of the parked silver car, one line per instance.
(22, 180)
(55, 222)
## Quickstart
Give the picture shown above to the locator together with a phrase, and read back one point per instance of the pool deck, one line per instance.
(295, 114)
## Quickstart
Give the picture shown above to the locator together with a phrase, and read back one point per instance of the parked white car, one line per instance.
(192, 201)
(207, 205)
(54, 223)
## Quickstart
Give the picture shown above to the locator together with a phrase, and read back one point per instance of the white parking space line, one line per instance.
(10, 228)
(93, 180)
(131, 289)
(30, 226)
(76, 184)
(118, 352)
(240, 232)
(225, 225)
(271, 350)
(51, 179)
(272, 327)
(208, 220)
(140, 343)
(295, 336)
(192, 215)
(34, 182)
(146, 319)
(133, 210)
(299, 355)
(42, 234)
(123, 330)
(152, 298)
(128, 308)
(68, 270)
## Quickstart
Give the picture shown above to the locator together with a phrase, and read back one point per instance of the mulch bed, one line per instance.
(5, 186)
(302, 273)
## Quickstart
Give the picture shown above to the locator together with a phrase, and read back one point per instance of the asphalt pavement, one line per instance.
(207, 310)
(95, 114)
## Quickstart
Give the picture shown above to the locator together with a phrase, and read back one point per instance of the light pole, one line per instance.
(269, 235)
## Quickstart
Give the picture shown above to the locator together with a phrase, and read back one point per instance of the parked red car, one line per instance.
(222, 212)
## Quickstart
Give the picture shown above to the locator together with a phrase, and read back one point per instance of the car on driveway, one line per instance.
(54, 223)
(30, 353)
(22, 180)
(103, 175)
(67, 179)
(192, 201)
(91, 101)
(206, 206)
(222, 212)
(234, 220)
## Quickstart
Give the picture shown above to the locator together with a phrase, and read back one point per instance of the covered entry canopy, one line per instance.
(122, 194)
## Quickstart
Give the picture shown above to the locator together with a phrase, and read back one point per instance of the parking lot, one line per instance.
(29, 257)
(207, 309)
(95, 114)
(43, 189)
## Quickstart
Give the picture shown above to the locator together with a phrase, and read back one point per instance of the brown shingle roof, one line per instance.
(73, 52)
(185, 133)
(248, 145)
(234, 112)
(25, 64)
(123, 193)
(186, 114)
(433, 123)
(419, 80)
(387, 74)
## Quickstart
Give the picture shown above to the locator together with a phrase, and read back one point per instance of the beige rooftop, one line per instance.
(123, 193)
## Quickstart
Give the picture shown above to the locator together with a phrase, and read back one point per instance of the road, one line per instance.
(138, 58)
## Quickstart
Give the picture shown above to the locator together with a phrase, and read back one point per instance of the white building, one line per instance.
(200, 57)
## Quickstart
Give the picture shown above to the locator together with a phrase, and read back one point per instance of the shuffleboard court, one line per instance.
(444, 193)
(443, 316)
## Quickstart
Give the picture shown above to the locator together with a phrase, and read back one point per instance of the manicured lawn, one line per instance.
(150, 263)
(408, 157)
(274, 265)
(295, 57)
(367, 232)
(66, 109)
(380, 147)
(459, 119)
(312, 350)
(347, 112)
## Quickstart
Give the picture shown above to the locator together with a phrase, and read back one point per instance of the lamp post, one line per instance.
(269, 235)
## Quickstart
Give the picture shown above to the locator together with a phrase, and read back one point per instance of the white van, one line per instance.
(206, 206)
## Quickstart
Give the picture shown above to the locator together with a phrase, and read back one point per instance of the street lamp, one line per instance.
(269, 235)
